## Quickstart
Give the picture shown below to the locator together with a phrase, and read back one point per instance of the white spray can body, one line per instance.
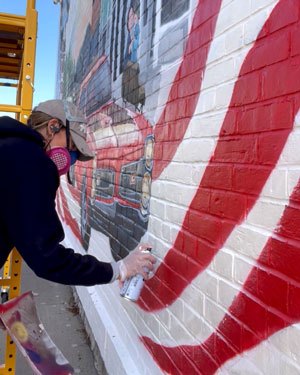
(132, 287)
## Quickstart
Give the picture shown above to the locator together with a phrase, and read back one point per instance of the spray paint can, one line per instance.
(132, 287)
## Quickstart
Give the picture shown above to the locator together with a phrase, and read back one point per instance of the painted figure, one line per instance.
(133, 37)
(132, 91)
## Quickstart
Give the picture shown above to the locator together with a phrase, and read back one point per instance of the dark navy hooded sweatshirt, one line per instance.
(28, 218)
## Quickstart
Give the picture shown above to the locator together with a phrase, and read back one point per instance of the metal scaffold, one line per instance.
(17, 62)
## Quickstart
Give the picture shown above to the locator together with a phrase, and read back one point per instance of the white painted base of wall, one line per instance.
(116, 357)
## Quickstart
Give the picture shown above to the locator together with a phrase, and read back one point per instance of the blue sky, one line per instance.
(46, 52)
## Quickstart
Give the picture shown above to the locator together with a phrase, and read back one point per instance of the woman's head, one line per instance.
(53, 118)
(50, 128)
(62, 127)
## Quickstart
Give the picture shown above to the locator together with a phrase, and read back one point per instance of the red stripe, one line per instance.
(247, 150)
(184, 93)
(268, 302)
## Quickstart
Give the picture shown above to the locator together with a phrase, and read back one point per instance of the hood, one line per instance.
(10, 127)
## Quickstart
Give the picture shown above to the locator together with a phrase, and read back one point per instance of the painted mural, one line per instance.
(115, 189)
(135, 130)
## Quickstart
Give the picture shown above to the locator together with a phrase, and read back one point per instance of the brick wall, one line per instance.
(192, 112)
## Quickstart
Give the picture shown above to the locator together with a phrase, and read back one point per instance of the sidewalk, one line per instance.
(61, 319)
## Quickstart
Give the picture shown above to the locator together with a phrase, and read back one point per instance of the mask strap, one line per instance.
(68, 134)
(46, 144)
(68, 148)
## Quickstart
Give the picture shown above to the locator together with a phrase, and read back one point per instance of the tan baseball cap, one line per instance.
(63, 110)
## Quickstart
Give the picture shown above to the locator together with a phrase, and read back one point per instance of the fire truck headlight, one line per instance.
(146, 194)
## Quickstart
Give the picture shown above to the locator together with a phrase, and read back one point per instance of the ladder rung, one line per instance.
(6, 84)
(10, 60)
(9, 75)
(5, 50)
(10, 108)
(8, 68)
(7, 42)
(12, 19)
(10, 35)
(8, 45)
(12, 29)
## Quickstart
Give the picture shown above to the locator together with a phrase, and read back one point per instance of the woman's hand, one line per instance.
(134, 262)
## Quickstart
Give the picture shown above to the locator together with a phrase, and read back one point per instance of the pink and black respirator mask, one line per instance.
(62, 157)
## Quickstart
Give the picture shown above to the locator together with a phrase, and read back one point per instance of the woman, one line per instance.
(32, 159)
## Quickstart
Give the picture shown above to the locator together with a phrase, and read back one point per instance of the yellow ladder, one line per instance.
(17, 62)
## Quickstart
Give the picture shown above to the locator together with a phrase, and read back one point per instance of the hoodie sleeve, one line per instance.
(28, 210)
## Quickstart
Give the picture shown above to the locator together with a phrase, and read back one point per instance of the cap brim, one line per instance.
(82, 147)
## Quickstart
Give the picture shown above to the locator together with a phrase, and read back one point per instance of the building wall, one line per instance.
(192, 112)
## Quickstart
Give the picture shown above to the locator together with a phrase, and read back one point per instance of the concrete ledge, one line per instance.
(99, 363)
(110, 354)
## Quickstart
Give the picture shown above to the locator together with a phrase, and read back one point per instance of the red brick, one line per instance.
(237, 149)
(287, 12)
(183, 264)
(190, 85)
(289, 223)
(175, 110)
(201, 201)
(204, 13)
(194, 62)
(173, 95)
(282, 115)
(276, 322)
(199, 37)
(221, 350)
(188, 66)
(294, 302)
(247, 89)
(295, 43)
(268, 51)
(205, 251)
(282, 257)
(270, 146)
(252, 314)
(272, 290)
(254, 119)
(170, 280)
(227, 205)
(227, 227)
(190, 104)
(204, 226)
(190, 243)
(148, 295)
(201, 358)
(158, 151)
(229, 125)
(281, 79)
(217, 176)
(245, 122)
(249, 339)
(249, 180)
(227, 327)
(295, 196)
